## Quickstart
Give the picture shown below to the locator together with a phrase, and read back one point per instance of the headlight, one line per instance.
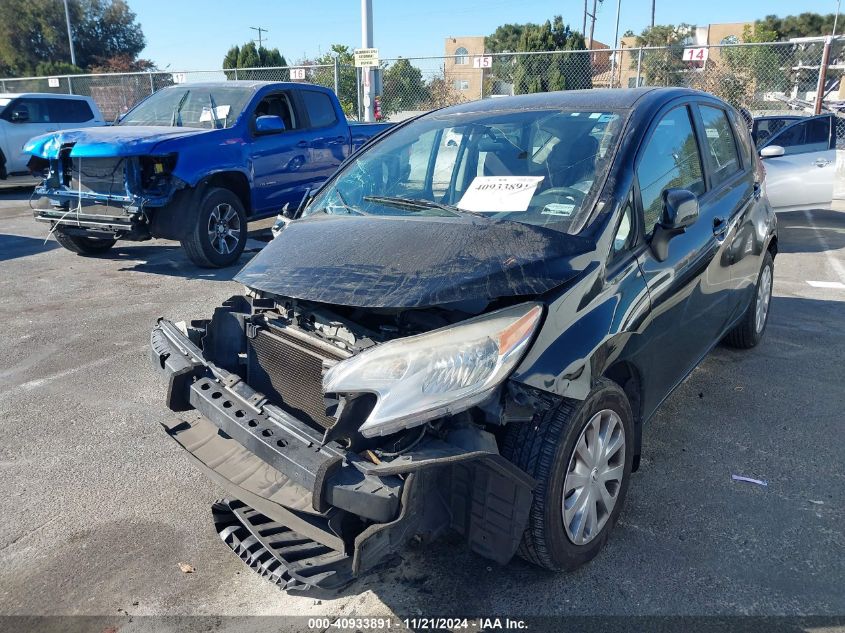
(438, 373)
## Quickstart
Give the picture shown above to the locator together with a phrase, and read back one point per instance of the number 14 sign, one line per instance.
(696, 54)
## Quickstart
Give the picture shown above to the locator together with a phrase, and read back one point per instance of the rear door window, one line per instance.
(319, 107)
(69, 110)
(670, 160)
(720, 142)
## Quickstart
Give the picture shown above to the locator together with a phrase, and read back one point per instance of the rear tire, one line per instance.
(219, 234)
(83, 245)
(748, 332)
(558, 536)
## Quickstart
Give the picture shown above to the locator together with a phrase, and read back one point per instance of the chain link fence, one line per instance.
(774, 77)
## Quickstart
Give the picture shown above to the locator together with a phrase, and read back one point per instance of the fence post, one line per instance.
(337, 76)
(639, 64)
(822, 75)
(69, 86)
(3, 85)
(236, 74)
(152, 84)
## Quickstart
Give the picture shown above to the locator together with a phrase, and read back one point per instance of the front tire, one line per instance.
(581, 455)
(219, 235)
(749, 331)
(83, 245)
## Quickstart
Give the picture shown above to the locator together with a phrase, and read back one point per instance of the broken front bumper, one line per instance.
(313, 515)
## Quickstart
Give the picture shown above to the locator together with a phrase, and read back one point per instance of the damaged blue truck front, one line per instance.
(194, 163)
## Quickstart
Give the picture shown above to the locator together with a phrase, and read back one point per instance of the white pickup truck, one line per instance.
(25, 115)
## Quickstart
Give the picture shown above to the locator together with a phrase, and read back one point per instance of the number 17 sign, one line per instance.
(696, 54)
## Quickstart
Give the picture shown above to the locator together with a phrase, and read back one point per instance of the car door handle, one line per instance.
(822, 162)
(303, 144)
(720, 227)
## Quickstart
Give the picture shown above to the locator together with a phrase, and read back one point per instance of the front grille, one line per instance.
(104, 176)
(288, 369)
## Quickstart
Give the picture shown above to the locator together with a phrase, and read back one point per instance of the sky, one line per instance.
(195, 34)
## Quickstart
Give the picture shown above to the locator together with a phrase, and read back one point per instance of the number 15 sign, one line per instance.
(696, 54)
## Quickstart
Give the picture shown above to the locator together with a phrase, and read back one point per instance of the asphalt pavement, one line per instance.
(100, 507)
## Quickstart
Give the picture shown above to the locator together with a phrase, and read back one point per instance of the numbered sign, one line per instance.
(297, 74)
(179, 78)
(696, 54)
(484, 61)
(53, 82)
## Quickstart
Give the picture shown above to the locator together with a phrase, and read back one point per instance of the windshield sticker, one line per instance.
(554, 208)
(711, 132)
(221, 112)
(495, 194)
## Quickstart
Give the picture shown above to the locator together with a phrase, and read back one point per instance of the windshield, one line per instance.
(539, 167)
(202, 107)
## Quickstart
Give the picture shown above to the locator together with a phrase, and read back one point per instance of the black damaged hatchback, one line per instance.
(467, 327)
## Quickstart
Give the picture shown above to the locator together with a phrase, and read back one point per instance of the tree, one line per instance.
(251, 56)
(539, 73)
(403, 88)
(347, 79)
(666, 66)
(34, 32)
(803, 25)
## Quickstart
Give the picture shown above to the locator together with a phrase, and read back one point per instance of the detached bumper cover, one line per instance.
(295, 495)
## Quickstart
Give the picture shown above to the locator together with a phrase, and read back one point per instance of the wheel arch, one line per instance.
(234, 181)
(627, 376)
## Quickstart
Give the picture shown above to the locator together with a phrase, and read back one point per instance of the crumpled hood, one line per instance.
(101, 142)
(405, 262)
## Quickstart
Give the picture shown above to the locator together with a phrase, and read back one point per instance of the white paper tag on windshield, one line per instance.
(220, 112)
(494, 194)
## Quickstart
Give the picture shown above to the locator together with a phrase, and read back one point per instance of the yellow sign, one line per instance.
(366, 57)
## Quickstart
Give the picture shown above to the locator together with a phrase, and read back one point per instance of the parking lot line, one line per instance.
(837, 265)
(836, 285)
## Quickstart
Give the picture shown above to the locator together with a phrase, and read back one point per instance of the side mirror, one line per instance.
(772, 151)
(20, 116)
(680, 210)
(269, 124)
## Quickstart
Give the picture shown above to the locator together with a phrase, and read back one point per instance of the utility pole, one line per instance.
(652, 12)
(584, 23)
(615, 45)
(592, 24)
(367, 73)
(70, 35)
(836, 18)
(260, 31)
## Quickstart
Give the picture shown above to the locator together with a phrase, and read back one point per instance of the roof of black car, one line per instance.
(594, 99)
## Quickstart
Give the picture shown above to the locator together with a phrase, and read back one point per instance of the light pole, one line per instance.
(367, 72)
(70, 35)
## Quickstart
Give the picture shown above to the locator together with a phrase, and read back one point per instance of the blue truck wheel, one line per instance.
(219, 235)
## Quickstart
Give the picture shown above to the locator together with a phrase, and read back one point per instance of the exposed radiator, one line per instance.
(288, 369)
(99, 175)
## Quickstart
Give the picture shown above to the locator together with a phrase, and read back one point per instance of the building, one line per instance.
(466, 79)
(713, 35)
(458, 69)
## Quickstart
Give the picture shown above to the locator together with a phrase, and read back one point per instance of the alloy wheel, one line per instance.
(224, 228)
(594, 477)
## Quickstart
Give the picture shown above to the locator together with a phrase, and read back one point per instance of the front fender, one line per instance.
(589, 326)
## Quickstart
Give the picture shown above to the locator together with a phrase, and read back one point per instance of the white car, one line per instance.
(800, 162)
(23, 116)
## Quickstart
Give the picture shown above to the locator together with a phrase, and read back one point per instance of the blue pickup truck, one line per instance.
(194, 163)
